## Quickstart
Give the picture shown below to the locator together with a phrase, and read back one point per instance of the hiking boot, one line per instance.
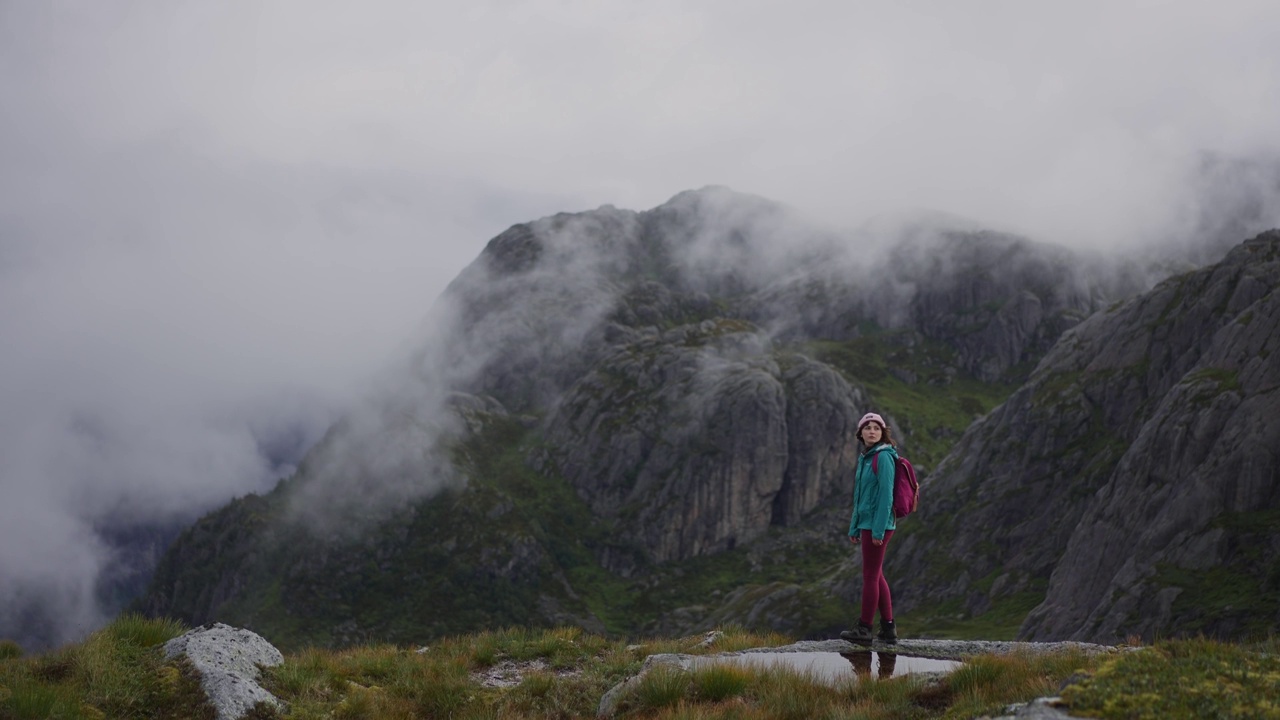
(859, 635)
(888, 633)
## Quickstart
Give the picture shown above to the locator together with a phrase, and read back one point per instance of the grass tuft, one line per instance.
(662, 687)
(988, 683)
(789, 695)
(717, 682)
(32, 700)
(9, 650)
(144, 632)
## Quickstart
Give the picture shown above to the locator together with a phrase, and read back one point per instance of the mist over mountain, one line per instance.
(1235, 198)
(672, 311)
(642, 421)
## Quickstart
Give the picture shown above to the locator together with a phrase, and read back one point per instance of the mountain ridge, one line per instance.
(637, 404)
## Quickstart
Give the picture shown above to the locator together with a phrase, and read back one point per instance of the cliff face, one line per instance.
(696, 439)
(1130, 484)
(1193, 497)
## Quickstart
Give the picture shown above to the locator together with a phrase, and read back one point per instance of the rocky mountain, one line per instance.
(668, 350)
(642, 421)
(1130, 486)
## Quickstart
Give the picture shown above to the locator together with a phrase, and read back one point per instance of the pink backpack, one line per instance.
(906, 489)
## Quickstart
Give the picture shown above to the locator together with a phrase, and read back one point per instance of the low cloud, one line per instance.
(221, 223)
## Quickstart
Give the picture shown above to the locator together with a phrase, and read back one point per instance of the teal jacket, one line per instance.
(873, 492)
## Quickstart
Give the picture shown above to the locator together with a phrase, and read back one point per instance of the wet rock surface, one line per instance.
(941, 649)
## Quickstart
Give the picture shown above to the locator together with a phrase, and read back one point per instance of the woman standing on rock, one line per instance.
(872, 526)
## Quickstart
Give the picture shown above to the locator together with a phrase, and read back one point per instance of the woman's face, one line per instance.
(871, 433)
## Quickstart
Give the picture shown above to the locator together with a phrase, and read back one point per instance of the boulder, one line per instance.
(228, 660)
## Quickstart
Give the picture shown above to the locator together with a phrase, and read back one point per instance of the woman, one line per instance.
(872, 526)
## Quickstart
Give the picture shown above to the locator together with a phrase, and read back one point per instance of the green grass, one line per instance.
(1194, 678)
(120, 672)
(720, 682)
(663, 687)
(1000, 622)
(135, 630)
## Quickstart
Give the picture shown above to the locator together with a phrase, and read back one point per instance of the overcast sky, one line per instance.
(219, 219)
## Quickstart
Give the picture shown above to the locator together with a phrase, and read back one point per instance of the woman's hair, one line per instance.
(885, 437)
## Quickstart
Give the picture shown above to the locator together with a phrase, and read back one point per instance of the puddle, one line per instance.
(834, 668)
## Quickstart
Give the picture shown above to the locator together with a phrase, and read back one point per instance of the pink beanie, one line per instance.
(870, 417)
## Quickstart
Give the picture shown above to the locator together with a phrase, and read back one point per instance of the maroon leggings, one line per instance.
(875, 589)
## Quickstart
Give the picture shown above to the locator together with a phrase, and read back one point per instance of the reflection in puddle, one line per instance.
(833, 667)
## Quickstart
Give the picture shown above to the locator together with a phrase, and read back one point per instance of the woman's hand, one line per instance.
(876, 542)
(853, 539)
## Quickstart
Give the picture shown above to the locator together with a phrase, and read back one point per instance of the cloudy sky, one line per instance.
(219, 219)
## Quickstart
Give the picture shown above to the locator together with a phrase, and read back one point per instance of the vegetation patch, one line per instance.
(1051, 389)
(1239, 597)
(115, 674)
(1179, 283)
(918, 383)
(1001, 621)
(118, 672)
(1194, 678)
(1212, 382)
(719, 327)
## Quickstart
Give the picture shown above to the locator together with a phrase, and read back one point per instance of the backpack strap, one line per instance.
(876, 456)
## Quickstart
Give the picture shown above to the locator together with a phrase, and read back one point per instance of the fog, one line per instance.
(220, 223)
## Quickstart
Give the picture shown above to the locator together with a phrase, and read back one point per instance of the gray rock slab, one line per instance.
(228, 661)
(965, 648)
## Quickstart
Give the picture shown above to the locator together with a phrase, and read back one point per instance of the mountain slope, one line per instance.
(1129, 487)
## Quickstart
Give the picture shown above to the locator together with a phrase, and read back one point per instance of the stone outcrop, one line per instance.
(228, 661)
(698, 439)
